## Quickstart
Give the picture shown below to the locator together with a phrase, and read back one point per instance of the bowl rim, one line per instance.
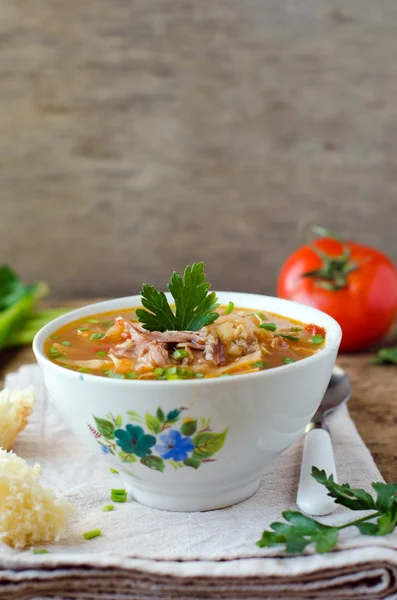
(332, 340)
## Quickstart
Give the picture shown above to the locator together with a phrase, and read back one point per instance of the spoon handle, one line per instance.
(312, 497)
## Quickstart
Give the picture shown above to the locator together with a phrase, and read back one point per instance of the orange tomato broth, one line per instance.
(280, 340)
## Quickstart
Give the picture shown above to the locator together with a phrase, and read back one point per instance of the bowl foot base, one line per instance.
(189, 498)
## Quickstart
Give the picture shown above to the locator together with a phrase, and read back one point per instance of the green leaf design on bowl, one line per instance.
(208, 443)
(105, 428)
(159, 440)
(160, 415)
(152, 423)
(189, 427)
(192, 462)
(127, 458)
(153, 462)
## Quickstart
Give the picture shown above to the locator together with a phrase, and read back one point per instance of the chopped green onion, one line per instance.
(286, 336)
(171, 371)
(107, 323)
(65, 343)
(260, 364)
(230, 308)
(118, 495)
(198, 375)
(56, 356)
(114, 375)
(225, 375)
(132, 375)
(107, 508)
(182, 373)
(179, 354)
(317, 339)
(158, 371)
(40, 551)
(97, 336)
(186, 372)
(113, 470)
(173, 376)
(287, 360)
(93, 533)
(262, 316)
(53, 350)
(54, 337)
(296, 328)
(55, 353)
(84, 370)
(83, 329)
(268, 326)
(94, 321)
(101, 353)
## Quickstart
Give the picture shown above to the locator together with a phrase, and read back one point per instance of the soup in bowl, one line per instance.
(190, 418)
(241, 340)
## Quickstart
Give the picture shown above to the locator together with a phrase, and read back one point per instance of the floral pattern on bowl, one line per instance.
(158, 440)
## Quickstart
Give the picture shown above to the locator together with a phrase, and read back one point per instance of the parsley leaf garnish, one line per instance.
(194, 305)
(160, 317)
(300, 530)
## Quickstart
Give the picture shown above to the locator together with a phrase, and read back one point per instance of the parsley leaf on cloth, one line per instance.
(300, 530)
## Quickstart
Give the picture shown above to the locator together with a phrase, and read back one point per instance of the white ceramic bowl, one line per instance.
(236, 424)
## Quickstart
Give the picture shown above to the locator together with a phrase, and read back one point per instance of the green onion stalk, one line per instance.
(19, 323)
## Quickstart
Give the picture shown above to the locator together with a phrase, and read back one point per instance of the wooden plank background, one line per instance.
(139, 135)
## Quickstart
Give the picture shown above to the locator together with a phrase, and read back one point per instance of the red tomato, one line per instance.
(355, 284)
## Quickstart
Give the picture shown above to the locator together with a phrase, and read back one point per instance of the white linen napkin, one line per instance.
(145, 553)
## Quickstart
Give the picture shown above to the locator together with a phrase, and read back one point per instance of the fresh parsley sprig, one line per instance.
(194, 304)
(300, 530)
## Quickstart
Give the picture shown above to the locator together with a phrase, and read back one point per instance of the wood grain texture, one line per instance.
(373, 405)
(139, 135)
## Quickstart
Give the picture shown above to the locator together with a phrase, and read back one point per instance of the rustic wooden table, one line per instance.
(373, 405)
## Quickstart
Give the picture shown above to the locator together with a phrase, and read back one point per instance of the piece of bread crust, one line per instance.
(16, 406)
(30, 513)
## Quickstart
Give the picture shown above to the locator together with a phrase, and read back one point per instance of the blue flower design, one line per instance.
(133, 440)
(105, 450)
(174, 445)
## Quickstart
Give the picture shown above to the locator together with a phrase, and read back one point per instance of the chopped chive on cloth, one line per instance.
(147, 554)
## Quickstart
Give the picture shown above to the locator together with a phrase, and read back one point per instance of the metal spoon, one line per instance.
(317, 449)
